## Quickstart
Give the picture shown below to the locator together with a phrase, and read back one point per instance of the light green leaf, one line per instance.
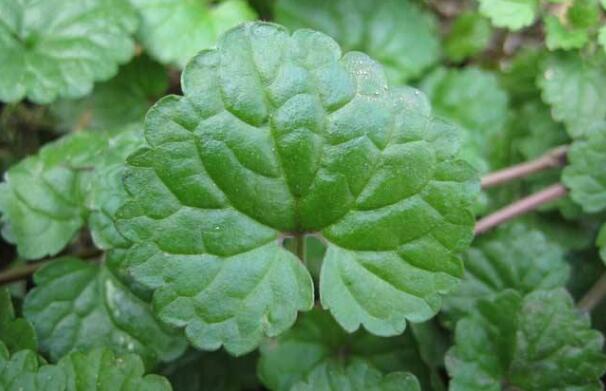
(601, 242)
(602, 37)
(513, 257)
(47, 198)
(317, 342)
(559, 36)
(55, 48)
(96, 370)
(356, 377)
(280, 134)
(213, 371)
(42, 198)
(462, 97)
(16, 333)
(575, 89)
(585, 175)
(512, 14)
(78, 305)
(536, 343)
(397, 33)
(469, 35)
(117, 102)
(173, 31)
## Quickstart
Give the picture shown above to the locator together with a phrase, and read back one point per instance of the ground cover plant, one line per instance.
(302, 195)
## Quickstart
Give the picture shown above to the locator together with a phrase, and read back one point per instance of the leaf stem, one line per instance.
(551, 159)
(520, 207)
(300, 246)
(21, 272)
(594, 296)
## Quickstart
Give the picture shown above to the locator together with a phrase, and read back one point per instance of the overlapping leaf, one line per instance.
(78, 305)
(46, 199)
(575, 89)
(396, 33)
(58, 48)
(539, 342)
(512, 14)
(317, 345)
(585, 175)
(281, 133)
(514, 257)
(117, 102)
(16, 333)
(96, 370)
(173, 31)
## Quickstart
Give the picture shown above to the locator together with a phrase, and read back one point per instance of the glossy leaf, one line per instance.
(96, 370)
(317, 344)
(514, 257)
(397, 33)
(539, 342)
(78, 306)
(117, 102)
(575, 89)
(173, 31)
(281, 133)
(58, 48)
(16, 333)
(585, 175)
(512, 14)
(357, 377)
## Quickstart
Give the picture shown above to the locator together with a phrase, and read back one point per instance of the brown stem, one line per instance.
(21, 272)
(520, 207)
(554, 158)
(594, 296)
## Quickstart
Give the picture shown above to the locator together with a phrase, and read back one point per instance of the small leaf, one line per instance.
(559, 36)
(397, 33)
(539, 342)
(469, 35)
(165, 23)
(317, 343)
(16, 333)
(96, 370)
(356, 377)
(58, 48)
(575, 89)
(117, 102)
(213, 371)
(585, 175)
(280, 134)
(513, 257)
(512, 14)
(78, 305)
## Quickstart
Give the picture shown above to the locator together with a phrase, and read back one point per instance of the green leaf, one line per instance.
(356, 377)
(469, 35)
(584, 14)
(78, 305)
(518, 76)
(173, 31)
(539, 342)
(213, 371)
(602, 37)
(397, 33)
(16, 333)
(539, 132)
(47, 198)
(575, 89)
(96, 370)
(559, 36)
(317, 342)
(58, 48)
(585, 175)
(513, 257)
(117, 102)
(304, 140)
(42, 198)
(512, 14)
(601, 242)
(462, 97)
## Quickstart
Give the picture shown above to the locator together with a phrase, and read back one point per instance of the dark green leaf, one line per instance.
(470, 34)
(16, 333)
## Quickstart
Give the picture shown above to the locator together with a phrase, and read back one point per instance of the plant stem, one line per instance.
(594, 296)
(300, 247)
(554, 158)
(520, 207)
(21, 272)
